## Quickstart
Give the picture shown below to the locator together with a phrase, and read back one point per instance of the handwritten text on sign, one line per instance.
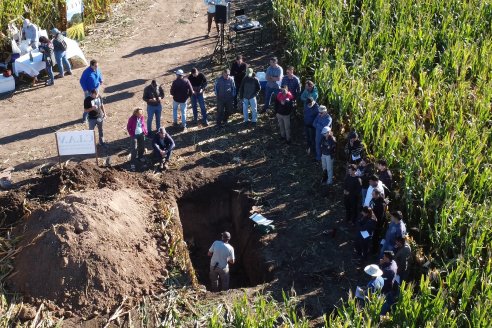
(76, 142)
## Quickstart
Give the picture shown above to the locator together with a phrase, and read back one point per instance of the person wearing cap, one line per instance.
(396, 228)
(248, 91)
(153, 95)
(328, 151)
(354, 149)
(284, 105)
(310, 91)
(94, 107)
(311, 110)
(292, 82)
(274, 74)
(30, 32)
(225, 91)
(377, 282)
(199, 83)
(163, 145)
(91, 79)
(181, 90)
(238, 72)
(374, 183)
(351, 191)
(323, 119)
(222, 255)
(60, 46)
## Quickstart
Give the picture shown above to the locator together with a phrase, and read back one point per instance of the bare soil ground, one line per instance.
(150, 39)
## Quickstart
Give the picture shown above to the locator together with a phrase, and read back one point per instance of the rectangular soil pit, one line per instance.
(205, 213)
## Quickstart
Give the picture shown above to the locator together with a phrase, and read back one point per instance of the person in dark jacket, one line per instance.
(365, 229)
(60, 47)
(181, 90)
(163, 145)
(153, 95)
(384, 173)
(238, 72)
(311, 110)
(365, 170)
(199, 83)
(396, 228)
(225, 91)
(390, 287)
(46, 48)
(351, 191)
(94, 107)
(354, 149)
(328, 150)
(403, 257)
(248, 91)
(378, 206)
(284, 104)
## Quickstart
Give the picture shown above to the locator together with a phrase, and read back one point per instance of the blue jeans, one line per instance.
(92, 124)
(49, 70)
(201, 101)
(318, 144)
(151, 111)
(310, 131)
(62, 62)
(182, 106)
(268, 95)
(254, 112)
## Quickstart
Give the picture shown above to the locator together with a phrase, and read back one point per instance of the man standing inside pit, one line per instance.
(222, 254)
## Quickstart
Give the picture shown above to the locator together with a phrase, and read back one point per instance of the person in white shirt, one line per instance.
(222, 254)
(374, 183)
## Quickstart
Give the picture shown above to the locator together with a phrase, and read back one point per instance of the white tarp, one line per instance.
(24, 64)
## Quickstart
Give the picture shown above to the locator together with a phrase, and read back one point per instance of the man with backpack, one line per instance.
(60, 47)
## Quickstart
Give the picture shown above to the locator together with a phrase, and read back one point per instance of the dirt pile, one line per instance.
(89, 251)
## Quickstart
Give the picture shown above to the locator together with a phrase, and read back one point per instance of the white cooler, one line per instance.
(7, 84)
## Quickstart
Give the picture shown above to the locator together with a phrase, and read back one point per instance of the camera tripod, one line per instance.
(220, 54)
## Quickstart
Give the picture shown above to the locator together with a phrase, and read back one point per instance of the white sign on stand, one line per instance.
(76, 143)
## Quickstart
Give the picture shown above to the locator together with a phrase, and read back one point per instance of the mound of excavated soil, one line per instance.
(88, 251)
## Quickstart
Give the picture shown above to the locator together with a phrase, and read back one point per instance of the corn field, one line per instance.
(50, 13)
(414, 79)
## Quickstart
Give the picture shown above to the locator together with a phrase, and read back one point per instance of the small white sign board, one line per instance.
(76, 142)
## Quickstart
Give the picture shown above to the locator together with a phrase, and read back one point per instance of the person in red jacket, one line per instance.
(137, 130)
(283, 107)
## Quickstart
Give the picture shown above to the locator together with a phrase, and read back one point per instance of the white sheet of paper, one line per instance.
(364, 234)
(359, 292)
(260, 219)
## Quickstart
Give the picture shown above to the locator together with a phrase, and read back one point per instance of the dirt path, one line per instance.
(164, 36)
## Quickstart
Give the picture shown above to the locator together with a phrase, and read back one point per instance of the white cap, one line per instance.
(325, 130)
(373, 270)
(322, 109)
(180, 72)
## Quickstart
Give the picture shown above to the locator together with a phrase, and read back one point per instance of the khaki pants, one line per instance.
(284, 124)
(215, 275)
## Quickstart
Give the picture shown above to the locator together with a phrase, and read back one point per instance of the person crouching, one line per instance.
(163, 145)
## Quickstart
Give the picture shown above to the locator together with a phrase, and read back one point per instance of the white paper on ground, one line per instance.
(260, 219)
(364, 234)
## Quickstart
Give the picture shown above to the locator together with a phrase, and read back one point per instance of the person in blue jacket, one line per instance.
(323, 119)
(91, 79)
(311, 110)
(163, 145)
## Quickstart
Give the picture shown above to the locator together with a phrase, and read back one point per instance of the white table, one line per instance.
(24, 65)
